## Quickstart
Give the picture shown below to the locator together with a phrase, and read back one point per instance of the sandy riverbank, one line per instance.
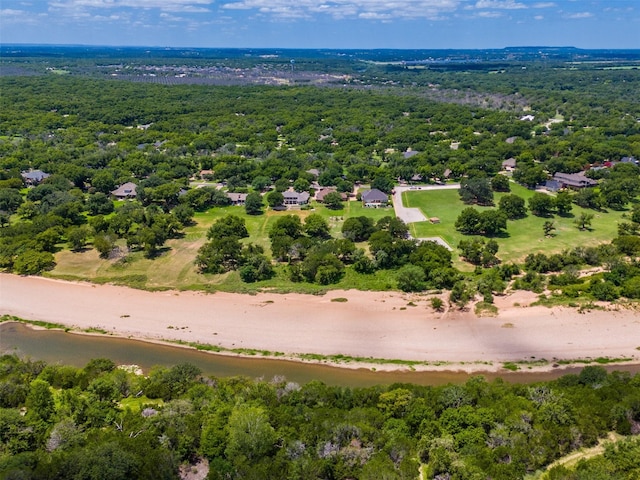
(368, 324)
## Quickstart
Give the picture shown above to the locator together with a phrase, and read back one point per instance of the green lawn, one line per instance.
(175, 268)
(524, 236)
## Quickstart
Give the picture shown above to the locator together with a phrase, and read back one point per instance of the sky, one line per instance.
(341, 24)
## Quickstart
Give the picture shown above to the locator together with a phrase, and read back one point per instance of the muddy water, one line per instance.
(54, 346)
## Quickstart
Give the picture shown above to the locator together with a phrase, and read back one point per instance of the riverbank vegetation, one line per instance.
(102, 421)
(189, 151)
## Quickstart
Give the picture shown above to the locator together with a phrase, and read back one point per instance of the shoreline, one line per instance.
(314, 329)
(384, 366)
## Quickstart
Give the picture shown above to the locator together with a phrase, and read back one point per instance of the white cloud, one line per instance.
(538, 17)
(365, 9)
(500, 4)
(489, 14)
(579, 15)
(184, 6)
(544, 5)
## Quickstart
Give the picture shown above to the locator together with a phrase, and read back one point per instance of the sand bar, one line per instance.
(368, 324)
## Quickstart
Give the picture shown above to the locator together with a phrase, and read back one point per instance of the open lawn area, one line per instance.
(523, 236)
(174, 267)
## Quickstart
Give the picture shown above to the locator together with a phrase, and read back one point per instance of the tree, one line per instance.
(564, 203)
(260, 183)
(104, 243)
(10, 200)
(316, 226)
(513, 206)
(589, 198)
(39, 402)
(500, 183)
(541, 204)
(33, 262)
(333, 201)
(358, 229)
(228, 226)
(476, 190)
(250, 433)
(275, 199)
(411, 278)
(548, 227)
(383, 183)
(530, 176)
(253, 204)
(460, 294)
(469, 221)
(583, 222)
(99, 204)
(77, 237)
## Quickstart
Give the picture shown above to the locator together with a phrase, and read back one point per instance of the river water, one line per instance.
(56, 346)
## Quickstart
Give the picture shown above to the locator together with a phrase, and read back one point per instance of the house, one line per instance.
(237, 198)
(127, 190)
(323, 192)
(374, 198)
(527, 118)
(509, 164)
(34, 177)
(629, 160)
(409, 153)
(295, 198)
(314, 171)
(574, 180)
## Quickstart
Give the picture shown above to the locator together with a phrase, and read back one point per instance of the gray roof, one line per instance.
(125, 190)
(35, 175)
(574, 179)
(237, 197)
(374, 196)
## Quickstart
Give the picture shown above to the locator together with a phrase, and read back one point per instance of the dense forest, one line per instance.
(106, 422)
(91, 125)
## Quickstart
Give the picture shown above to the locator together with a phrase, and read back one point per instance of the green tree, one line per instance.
(77, 237)
(333, 201)
(411, 278)
(548, 228)
(500, 183)
(253, 204)
(250, 434)
(316, 226)
(476, 190)
(541, 204)
(40, 403)
(275, 199)
(513, 206)
(33, 262)
(583, 222)
(228, 226)
(564, 203)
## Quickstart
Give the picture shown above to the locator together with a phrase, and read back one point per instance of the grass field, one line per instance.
(174, 268)
(523, 236)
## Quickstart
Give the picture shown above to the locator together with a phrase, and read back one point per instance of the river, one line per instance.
(56, 346)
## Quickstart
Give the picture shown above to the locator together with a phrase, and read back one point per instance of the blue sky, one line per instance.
(323, 24)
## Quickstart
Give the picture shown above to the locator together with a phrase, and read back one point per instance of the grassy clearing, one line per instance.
(174, 268)
(523, 236)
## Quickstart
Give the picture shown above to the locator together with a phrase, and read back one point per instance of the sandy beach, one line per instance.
(386, 325)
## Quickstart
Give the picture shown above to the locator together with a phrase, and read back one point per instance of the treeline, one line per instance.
(101, 421)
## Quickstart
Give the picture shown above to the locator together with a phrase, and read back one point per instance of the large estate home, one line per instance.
(292, 197)
(573, 180)
(237, 198)
(124, 191)
(374, 198)
(34, 177)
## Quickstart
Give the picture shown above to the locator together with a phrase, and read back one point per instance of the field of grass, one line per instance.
(174, 268)
(523, 236)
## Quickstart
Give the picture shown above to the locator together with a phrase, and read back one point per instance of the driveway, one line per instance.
(413, 215)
